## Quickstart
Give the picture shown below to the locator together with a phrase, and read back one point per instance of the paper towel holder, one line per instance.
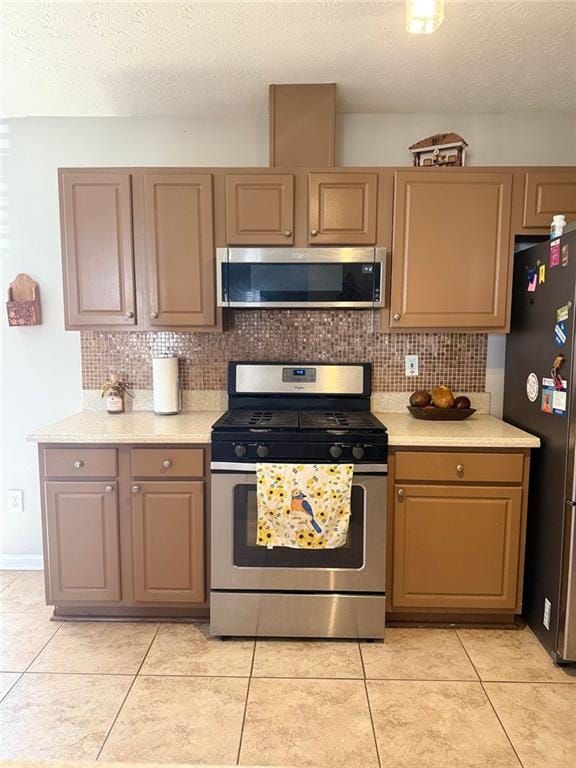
(167, 395)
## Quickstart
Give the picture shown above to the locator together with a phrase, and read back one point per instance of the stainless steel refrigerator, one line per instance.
(540, 397)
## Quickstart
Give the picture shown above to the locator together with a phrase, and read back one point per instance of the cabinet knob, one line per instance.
(78, 464)
(154, 315)
(135, 489)
(287, 233)
(400, 493)
(314, 232)
(129, 315)
(108, 489)
(396, 316)
(460, 469)
(167, 463)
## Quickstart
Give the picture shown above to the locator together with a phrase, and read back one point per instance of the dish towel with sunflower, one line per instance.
(303, 506)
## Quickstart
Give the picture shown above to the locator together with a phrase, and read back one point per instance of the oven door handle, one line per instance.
(250, 467)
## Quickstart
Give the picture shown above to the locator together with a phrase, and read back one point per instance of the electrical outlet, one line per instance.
(547, 611)
(15, 500)
(411, 365)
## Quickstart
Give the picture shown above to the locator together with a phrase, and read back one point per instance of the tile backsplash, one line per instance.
(455, 359)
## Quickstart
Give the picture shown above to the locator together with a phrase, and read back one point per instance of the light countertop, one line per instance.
(132, 427)
(479, 431)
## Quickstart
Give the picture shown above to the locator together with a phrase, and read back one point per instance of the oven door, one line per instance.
(276, 277)
(239, 563)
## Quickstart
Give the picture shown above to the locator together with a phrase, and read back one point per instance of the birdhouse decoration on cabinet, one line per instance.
(440, 150)
(23, 305)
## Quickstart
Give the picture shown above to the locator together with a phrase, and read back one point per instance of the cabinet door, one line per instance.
(259, 209)
(97, 249)
(342, 208)
(168, 542)
(180, 249)
(546, 194)
(82, 541)
(456, 547)
(451, 249)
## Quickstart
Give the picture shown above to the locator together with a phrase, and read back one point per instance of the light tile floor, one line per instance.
(148, 692)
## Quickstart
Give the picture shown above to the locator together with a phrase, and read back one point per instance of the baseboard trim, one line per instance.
(21, 562)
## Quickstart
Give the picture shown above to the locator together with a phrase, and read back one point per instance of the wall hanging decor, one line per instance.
(23, 305)
(440, 149)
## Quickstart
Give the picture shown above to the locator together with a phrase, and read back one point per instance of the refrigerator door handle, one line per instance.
(571, 503)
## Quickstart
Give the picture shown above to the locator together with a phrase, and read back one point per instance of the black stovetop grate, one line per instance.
(304, 420)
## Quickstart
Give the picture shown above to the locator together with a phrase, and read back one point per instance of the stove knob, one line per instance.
(261, 451)
(240, 451)
(335, 451)
(358, 452)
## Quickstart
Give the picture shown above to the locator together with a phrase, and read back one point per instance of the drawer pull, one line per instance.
(108, 489)
(78, 464)
(135, 489)
(153, 315)
(287, 233)
(460, 469)
(167, 463)
(314, 232)
(396, 316)
(400, 493)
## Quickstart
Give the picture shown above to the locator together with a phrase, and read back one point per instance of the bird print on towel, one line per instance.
(299, 504)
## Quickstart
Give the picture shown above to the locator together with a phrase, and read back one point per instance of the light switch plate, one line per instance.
(411, 365)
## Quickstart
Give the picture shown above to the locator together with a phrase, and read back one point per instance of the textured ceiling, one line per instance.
(208, 58)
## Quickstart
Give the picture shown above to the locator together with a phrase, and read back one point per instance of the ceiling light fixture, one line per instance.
(424, 16)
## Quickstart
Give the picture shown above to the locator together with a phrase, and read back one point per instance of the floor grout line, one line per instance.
(20, 675)
(246, 703)
(18, 575)
(490, 701)
(46, 644)
(114, 721)
(369, 706)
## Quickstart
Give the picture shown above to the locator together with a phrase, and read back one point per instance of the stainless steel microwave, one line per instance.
(327, 278)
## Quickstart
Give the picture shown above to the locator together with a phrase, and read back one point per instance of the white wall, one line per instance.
(41, 365)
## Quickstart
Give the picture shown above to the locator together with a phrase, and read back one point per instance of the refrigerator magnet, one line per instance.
(559, 402)
(563, 312)
(547, 396)
(560, 334)
(532, 387)
(541, 274)
(564, 255)
(554, 253)
(532, 281)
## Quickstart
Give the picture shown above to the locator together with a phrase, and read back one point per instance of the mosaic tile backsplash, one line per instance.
(457, 360)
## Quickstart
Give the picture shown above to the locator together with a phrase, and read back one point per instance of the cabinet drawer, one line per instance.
(168, 462)
(80, 462)
(460, 467)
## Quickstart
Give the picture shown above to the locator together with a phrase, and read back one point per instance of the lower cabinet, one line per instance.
(456, 547)
(168, 541)
(124, 529)
(82, 541)
(457, 522)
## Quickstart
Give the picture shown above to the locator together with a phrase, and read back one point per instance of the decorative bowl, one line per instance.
(431, 413)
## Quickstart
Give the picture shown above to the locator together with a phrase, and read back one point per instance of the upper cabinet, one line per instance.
(97, 249)
(452, 249)
(549, 193)
(342, 208)
(179, 245)
(260, 209)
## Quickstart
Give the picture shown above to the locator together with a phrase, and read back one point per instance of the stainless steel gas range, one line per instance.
(297, 413)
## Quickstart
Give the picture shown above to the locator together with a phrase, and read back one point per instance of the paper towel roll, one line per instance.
(166, 385)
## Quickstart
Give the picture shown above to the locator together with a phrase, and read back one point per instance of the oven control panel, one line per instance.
(299, 375)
